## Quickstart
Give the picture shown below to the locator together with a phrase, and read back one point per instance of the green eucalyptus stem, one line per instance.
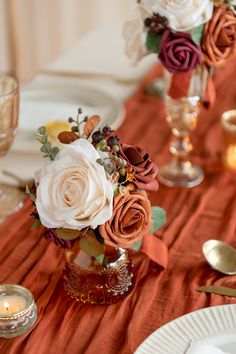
(46, 147)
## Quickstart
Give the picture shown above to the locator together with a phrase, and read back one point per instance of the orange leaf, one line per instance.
(91, 124)
(67, 137)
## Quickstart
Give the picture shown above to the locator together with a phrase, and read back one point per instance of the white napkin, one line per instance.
(107, 42)
(200, 347)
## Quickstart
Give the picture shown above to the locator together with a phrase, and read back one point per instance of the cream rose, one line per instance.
(73, 190)
(184, 15)
(134, 32)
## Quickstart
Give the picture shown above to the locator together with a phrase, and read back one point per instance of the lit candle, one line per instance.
(18, 311)
(228, 121)
(11, 304)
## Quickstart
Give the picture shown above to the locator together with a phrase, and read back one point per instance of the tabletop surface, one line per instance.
(159, 296)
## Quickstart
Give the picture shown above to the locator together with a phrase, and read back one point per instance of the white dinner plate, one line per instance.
(213, 325)
(58, 100)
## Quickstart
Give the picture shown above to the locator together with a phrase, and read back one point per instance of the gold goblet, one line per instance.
(10, 198)
(182, 116)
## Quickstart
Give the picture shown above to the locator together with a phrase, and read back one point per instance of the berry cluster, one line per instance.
(114, 165)
(157, 23)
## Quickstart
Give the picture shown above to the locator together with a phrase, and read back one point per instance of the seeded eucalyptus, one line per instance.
(114, 165)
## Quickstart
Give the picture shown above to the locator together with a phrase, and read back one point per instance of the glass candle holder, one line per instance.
(228, 121)
(18, 311)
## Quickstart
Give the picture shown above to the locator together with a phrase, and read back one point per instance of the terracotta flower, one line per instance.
(145, 170)
(131, 219)
(219, 41)
(178, 53)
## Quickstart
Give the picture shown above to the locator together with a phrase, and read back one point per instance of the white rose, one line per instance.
(73, 190)
(184, 15)
(134, 32)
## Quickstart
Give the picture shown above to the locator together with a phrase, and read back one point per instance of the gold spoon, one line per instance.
(220, 256)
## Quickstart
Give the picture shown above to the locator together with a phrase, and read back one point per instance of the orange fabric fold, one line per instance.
(194, 216)
(210, 94)
(156, 250)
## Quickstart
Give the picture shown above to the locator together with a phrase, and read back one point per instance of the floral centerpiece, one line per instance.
(185, 34)
(191, 38)
(91, 198)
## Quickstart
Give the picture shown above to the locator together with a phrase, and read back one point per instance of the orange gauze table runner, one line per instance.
(159, 296)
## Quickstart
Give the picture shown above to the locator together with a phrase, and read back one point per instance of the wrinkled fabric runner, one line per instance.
(194, 216)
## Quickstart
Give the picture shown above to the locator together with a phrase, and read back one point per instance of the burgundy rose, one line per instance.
(178, 53)
(145, 171)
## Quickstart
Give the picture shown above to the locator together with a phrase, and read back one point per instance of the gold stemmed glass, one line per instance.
(182, 116)
(10, 198)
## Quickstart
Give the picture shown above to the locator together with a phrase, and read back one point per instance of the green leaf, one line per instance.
(55, 150)
(153, 42)
(48, 145)
(137, 246)
(100, 258)
(44, 149)
(116, 192)
(67, 234)
(41, 130)
(158, 218)
(90, 245)
(197, 34)
(36, 224)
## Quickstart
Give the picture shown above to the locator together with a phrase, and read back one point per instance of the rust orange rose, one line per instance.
(131, 219)
(219, 41)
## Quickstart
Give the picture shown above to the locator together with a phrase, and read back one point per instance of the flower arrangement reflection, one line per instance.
(94, 190)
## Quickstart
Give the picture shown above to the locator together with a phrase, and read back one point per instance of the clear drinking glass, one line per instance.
(182, 117)
(10, 198)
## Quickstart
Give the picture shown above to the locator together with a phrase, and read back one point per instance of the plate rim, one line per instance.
(73, 84)
(143, 347)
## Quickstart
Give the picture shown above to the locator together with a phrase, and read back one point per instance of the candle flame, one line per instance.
(6, 305)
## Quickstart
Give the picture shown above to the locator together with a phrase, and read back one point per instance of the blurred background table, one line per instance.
(88, 63)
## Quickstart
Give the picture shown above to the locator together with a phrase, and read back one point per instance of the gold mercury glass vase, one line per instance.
(87, 281)
(182, 117)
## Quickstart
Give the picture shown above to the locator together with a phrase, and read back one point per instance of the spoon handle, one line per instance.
(219, 290)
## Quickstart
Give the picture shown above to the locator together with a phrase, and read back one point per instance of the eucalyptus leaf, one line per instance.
(116, 192)
(67, 234)
(55, 150)
(100, 258)
(44, 149)
(48, 145)
(197, 34)
(153, 42)
(90, 245)
(41, 130)
(137, 246)
(158, 218)
(36, 224)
